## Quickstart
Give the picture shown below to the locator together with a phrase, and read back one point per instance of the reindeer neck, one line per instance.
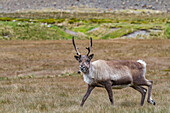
(91, 71)
(89, 77)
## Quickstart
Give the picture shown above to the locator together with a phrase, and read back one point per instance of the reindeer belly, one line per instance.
(121, 82)
(120, 86)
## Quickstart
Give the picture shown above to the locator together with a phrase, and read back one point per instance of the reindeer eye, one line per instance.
(88, 60)
(80, 60)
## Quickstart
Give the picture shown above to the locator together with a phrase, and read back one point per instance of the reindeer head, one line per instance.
(84, 60)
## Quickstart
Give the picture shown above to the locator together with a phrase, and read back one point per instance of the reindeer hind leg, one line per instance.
(143, 91)
(149, 84)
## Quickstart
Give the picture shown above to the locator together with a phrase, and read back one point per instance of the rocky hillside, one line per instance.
(20, 5)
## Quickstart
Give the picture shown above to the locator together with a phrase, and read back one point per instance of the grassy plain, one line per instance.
(40, 76)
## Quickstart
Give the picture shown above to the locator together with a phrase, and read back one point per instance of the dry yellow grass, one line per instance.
(29, 79)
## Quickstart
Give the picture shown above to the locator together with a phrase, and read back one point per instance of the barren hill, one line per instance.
(19, 5)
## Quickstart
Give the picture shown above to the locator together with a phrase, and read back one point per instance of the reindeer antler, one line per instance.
(89, 48)
(75, 47)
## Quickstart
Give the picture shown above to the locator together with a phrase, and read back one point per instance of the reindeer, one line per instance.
(115, 74)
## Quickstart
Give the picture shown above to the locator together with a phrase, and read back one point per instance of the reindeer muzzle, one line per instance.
(83, 69)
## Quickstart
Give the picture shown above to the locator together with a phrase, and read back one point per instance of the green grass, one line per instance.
(85, 28)
(31, 31)
(126, 28)
(61, 32)
(31, 28)
(168, 31)
(37, 31)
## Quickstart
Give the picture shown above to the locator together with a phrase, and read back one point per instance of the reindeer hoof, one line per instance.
(81, 105)
(151, 102)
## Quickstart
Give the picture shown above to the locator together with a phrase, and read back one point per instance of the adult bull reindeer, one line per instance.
(114, 74)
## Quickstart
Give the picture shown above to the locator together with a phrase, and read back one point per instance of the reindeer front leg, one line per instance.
(90, 88)
(108, 87)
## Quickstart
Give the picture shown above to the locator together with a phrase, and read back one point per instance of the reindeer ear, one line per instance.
(77, 57)
(91, 56)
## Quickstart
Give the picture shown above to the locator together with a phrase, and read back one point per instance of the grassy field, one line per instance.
(49, 26)
(40, 76)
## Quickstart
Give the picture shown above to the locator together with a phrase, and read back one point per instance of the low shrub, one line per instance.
(60, 20)
(23, 20)
(93, 20)
(48, 21)
(73, 20)
(5, 19)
